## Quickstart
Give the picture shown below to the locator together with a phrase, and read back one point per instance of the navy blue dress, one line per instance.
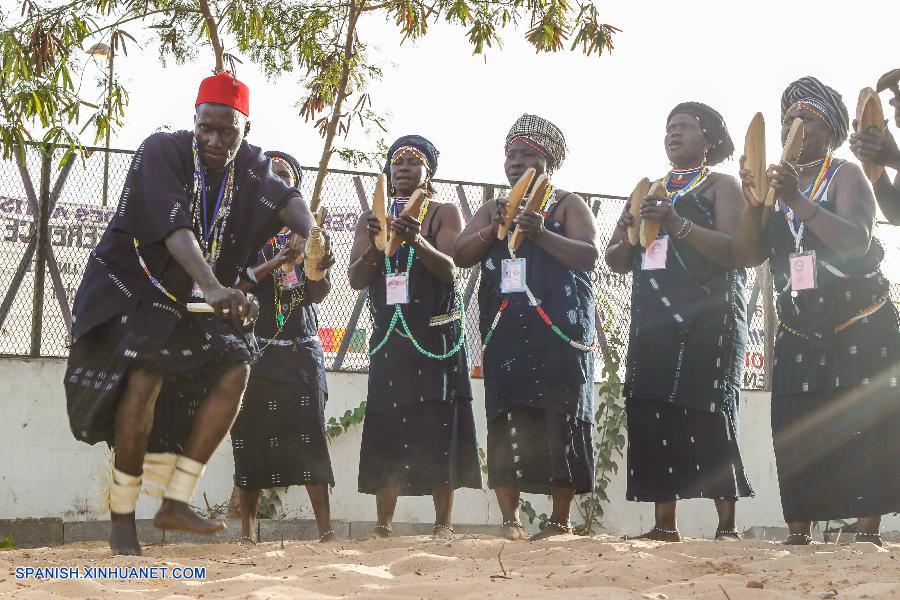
(686, 347)
(835, 392)
(538, 388)
(419, 431)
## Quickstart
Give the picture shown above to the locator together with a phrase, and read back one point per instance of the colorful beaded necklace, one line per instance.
(398, 311)
(533, 302)
(203, 230)
(812, 193)
(295, 295)
(679, 182)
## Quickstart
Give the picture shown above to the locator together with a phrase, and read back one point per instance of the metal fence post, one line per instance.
(770, 324)
(43, 239)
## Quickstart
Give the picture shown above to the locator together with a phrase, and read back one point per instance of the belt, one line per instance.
(287, 343)
(444, 319)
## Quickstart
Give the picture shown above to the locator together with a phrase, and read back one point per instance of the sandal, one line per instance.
(245, 540)
(727, 535)
(798, 539)
(659, 534)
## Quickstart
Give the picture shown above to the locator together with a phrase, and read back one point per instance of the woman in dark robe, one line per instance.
(278, 438)
(538, 357)
(419, 433)
(835, 401)
(688, 331)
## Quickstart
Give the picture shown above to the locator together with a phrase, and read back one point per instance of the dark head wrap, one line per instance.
(542, 132)
(823, 99)
(421, 144)
(291, 163)
(713, 126)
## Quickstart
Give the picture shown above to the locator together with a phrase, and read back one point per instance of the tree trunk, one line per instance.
(213, 36)
(334, 121)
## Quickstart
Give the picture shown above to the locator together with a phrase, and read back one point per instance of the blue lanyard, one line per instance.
(208, 222)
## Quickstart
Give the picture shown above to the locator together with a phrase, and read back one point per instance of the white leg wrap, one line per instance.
(158, 471)
(123, 492)
(185, 479)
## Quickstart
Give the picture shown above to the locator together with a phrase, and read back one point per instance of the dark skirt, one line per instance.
(675, 453)
(99, 361)
(278, 438)
(419, 448)
(534, 450)
(838, 453)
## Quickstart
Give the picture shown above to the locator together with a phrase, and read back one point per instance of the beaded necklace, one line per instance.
(398, 311)
(296, 295)
(819, 184)
(678, 185)
(203, 230)
(533, 302)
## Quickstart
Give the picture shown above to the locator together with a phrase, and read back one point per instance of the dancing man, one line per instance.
(196, 208)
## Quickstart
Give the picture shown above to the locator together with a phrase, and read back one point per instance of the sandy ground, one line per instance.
(566, 567)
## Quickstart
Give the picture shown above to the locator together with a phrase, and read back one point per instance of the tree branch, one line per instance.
(213, 36)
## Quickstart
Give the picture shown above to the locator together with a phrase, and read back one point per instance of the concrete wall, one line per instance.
(44, 472)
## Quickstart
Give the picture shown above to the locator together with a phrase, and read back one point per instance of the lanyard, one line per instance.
(206, 220)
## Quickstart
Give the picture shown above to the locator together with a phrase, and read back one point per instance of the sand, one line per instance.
(566, 567)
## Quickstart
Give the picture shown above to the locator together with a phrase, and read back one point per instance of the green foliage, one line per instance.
(335, 427)
(610, 419)
(270, 503)
(43, 61)
(530, 512)
(7, 543)
(211, 511)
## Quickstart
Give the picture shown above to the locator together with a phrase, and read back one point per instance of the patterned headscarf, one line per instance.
(814, 95)
(288, 160)
(541, 132)
(713, 126)
(425, 148)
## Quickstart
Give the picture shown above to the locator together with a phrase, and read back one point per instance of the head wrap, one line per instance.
(547, 136)
(291, 162)
(822, 99)
(713, 126)
(421, 145)
(223, 88)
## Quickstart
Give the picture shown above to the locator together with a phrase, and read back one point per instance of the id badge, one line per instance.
(290, 279)
(656, 254)
(803, 270)
(512, 275)
(397, 287)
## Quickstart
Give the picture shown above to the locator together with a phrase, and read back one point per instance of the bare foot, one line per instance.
(442, 532)
(659, 534)
(513, 531)
(179, 516)
(381, 531)
(245, 540)
(328, 536)
(550, 530)
(123, 535)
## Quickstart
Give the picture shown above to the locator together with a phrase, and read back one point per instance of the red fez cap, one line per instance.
(225, 89)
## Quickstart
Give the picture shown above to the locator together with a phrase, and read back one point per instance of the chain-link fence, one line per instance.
(35, 308)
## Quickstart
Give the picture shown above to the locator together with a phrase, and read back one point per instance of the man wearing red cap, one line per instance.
(195, 208)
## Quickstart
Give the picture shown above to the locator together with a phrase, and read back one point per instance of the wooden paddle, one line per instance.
(379, 208)
(532, 204)
(793, 145)
(641, 191)
(755, 155)
(649, 228)
(889, 81)
(516, 194)
(315, 248)
(870, 120)
(413, 206)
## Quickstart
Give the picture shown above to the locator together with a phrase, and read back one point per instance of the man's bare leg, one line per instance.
(134, 421)
(508, 499)
(211, 425)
